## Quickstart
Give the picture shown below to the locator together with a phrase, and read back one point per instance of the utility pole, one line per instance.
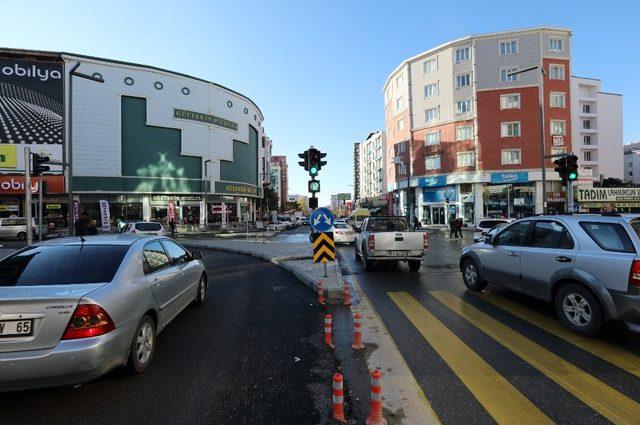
(27, 193)
(40, 192)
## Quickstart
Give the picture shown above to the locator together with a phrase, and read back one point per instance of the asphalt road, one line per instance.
(500, 356)
(252, 354)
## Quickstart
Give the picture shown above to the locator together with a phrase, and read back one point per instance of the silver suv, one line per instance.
(587, 264)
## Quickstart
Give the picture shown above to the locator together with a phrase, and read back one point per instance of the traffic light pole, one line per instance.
(27, 193)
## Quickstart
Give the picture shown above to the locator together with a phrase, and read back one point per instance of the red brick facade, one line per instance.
(447, 149)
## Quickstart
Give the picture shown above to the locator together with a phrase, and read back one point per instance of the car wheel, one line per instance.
(22, 236)
(143, 346)
(366, 263)
(471, 276)
(414, 265)
(202, 290)
(578, 309)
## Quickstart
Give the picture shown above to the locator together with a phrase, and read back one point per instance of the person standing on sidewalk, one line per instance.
(453, 227)
(459, 224)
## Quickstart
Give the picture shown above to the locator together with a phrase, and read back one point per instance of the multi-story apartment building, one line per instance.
(632, 162)
(597, 129)
(356, 171)
(372, 170)
(466, 128)
(280, 179)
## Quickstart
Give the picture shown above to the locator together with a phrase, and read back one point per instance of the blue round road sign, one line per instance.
(321, 220)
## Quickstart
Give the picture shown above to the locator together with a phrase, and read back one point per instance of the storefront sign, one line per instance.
(176, 198)
(171, 211)
(238, 189)
(432, 181)
(610, 194)
(440, 194)
(558, 140)
(76, 210)
(223, 219)
(203, 210)
(15, 184)
(53, 206)
(510, 177)
(344, 196)
(105, 215)
(184, 114)
(557, 197)
(8, 207)
(8, 156)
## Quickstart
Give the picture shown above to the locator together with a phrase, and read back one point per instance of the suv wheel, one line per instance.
(578, 309)
(471, 276)
(22, 236)
(414, 265)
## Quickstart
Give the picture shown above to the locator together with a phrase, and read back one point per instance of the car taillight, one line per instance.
(425, 240)
(88, 320)
(372, 242)
(133, 232)
(634, 275)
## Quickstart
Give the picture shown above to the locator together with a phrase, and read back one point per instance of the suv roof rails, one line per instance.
(611, 214)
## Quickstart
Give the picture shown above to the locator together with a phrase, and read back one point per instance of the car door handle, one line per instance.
(563, 259)
(513, 254)
(155, 282)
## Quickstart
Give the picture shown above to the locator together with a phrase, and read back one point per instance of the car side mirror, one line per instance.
(488, 239)
(196, 255)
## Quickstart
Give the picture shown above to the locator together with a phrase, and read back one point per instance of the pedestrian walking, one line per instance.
(453, 225)
(416, 223)
(82, 225)
(172, 226)
(92, 229)
(459, 224)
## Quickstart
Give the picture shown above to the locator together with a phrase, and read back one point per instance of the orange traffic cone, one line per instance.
(347, 293)
(357, 333)
(327, 330)
(338, 398)
(375, 417)
(320, 293)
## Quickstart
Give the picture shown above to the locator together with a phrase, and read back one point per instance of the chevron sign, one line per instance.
(324, 249)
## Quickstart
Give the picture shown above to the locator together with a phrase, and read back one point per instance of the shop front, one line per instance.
(12, 198)
(439, 205)
(598, 199)
(509, 195)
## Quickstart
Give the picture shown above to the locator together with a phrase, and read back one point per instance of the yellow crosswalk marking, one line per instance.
(501, 399)
(610, 403)
(609, 352)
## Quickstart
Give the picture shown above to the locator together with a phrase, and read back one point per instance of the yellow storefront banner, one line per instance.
(8, 156)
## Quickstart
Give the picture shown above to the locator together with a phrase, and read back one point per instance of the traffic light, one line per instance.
(572, 167)
(305, 160)
(37, 164)
(314, 162)
(561, 169)
(313, 203)
(314, 186)
(567, 168)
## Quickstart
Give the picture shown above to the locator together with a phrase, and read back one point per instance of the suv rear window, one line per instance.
(62, 265)
(148, 227)
(490, 224)
(609, 236)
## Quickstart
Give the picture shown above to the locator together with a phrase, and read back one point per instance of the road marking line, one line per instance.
(609, 352)
(610, 403)
(497, 395)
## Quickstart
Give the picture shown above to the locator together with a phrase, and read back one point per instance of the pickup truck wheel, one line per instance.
(471, 276)
(414, 265)
(355, 252)
(578, 309)
(366, 263)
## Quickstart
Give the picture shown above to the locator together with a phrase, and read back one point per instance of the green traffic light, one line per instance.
(573, 176)
(313, 171)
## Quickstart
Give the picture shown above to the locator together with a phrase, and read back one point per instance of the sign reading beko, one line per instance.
(31, 102)
(510, 177)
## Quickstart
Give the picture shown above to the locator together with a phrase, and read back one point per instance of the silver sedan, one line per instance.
(72, 309)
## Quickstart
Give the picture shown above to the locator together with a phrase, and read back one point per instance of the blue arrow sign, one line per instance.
(321, 220)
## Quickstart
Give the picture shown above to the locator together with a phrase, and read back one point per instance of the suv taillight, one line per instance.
(425, 240)
(88, 320)
(634, 275)
(372, 242)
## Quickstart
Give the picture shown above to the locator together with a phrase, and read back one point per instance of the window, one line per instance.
(510, 156)
(506, 75)
(463, 54)
(587, 155)
(155, 257)
(609, 236)
(549, 234)
(389, 224)
(430, 65)
(510, 129)
(463, 133)
(398, 81)
(586, 109)
(400, 103)
(400, 146)
(558, 127)
(148, 227)
(514, 235)
(62, 265)
(557, 100)
(432, 162)
(402, 169)
(463, 80)
(510, 101)
(586, 140)
(432, 138)
(557, 151)
(431, 90)
(465, 159)
(509, 47)
(463, 106)
(178, 254)
(555, 44)
(630, 173)
(401, 124)
(431, 114)
(586, 124)
(556, 72)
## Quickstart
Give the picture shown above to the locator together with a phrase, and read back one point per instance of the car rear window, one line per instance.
(387, 224)
(148, 227)
(609, 236)
(490, 224)
(340, 226)
(62, 265)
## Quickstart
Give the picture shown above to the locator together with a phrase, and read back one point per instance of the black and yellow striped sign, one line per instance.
(324, 248)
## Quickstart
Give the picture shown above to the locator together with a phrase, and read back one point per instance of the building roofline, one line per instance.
(62, 55)
(609, 93)
(586, 78)
(468, 38)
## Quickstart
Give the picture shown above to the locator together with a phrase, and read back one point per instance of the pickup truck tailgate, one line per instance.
(399, 241)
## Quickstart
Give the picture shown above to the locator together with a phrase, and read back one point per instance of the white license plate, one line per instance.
(398, 253)
(16, 327)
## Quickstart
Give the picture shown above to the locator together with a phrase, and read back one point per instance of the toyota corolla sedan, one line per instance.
(72, 309)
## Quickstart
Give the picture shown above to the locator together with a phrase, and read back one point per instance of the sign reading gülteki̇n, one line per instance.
(321, 220)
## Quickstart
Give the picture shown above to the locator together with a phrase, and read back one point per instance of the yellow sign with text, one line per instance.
(8, 156)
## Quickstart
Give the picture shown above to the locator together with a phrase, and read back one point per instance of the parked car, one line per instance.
(16, 228)
(383, 238)
(357, 217)
(144, 228)
(588, 265)
(487, 224)
(276, 226)
(305, 221)
(343, 233)
(68, 318)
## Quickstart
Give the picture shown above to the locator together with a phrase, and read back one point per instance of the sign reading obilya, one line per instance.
(185, 114)
(232, 188)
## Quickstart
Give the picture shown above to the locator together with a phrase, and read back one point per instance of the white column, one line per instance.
(146, 208)
(539, 200)
(238, 212)
(419, 200)
(478, 203)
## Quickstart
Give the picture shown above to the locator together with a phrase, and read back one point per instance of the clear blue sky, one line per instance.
(316, 69)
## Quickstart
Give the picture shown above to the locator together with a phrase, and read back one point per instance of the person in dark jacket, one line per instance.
(93, 228)
(459, 224)
(82, 225)
(453, 227)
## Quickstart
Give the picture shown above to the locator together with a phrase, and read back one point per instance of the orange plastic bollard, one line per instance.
(327, 330)
(320, 293)
(338, 398)
(357, 332)
(347, 294)
(375, 417)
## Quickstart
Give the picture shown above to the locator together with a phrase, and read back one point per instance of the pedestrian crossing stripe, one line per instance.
(497, 395)
(608, 352)
(323, 247)
(607, 401)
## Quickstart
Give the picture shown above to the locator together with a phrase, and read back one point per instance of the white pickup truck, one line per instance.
(389, 239)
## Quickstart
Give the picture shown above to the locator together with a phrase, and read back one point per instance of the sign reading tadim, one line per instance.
(626, 197)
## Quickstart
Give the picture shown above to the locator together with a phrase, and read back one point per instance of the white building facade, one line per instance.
(372, 165)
